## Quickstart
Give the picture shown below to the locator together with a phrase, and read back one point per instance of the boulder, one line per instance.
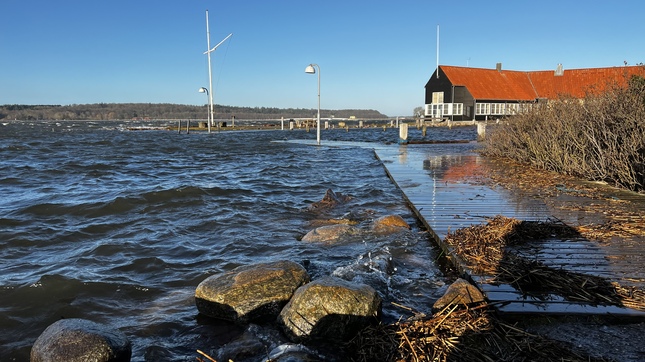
(389, 224)
(80, 340)
(460, 292)
(251, 292)
(329, 201)
(330, 309)
(330, 233)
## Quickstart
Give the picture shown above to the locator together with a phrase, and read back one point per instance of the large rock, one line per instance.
(329, 309)
(330, 234)
(80, 340)
(250, 293)
(389, 224)
(459, 293)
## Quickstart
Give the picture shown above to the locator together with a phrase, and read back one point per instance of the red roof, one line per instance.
(493, 84)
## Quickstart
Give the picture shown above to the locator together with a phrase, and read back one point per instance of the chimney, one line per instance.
(498, 66)
(559, 71)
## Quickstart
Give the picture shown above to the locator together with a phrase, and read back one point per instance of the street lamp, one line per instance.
(311, 70)
(205, 90)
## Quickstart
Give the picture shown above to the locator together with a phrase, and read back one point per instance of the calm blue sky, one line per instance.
(373, 54)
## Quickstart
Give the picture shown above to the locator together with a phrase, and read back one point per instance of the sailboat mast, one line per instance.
(437, 51)
(210, 74)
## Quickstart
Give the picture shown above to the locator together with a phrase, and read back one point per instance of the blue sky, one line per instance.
(372, 54)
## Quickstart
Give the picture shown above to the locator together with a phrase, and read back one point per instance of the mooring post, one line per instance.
(403, 133)
(187, 126)
(179, 127)
(481, 131)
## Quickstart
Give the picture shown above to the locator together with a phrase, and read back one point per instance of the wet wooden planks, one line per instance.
(444, 204)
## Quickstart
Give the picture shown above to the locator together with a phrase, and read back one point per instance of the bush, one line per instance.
(598, 138)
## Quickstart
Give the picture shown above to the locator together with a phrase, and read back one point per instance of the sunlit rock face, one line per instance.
(461, 292)
(389, 224)
(251, 292)
(330, 308)
(330, 234)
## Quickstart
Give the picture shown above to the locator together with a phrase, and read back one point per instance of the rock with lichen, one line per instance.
(330, 309)
(251, 292)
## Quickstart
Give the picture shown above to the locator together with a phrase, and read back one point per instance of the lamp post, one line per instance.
(205, 90)
(311, 70)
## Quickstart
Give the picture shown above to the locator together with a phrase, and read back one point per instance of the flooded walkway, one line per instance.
(447, 187)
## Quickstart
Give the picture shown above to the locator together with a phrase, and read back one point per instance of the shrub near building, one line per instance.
(599, 138)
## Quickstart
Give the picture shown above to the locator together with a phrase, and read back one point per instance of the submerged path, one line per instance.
(445, 186)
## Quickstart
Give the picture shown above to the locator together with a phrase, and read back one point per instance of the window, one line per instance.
(437, 97)
(482, 109)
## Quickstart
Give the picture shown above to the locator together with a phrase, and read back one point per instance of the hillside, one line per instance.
(119, 111)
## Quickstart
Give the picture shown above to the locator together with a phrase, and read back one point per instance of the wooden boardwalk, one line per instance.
(444, 185)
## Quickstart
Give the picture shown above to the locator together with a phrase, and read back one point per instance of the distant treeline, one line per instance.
(123, 111)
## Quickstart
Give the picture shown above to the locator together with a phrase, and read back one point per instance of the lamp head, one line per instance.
(310, 69)
(203, 90)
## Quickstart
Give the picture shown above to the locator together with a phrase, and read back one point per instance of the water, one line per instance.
(120, 226)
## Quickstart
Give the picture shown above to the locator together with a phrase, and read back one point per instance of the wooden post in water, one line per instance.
(481, 131)
(179, 127)
(424, 129)
(403, 133)
(187, 126)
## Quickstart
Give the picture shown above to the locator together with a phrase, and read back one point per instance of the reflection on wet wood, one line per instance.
(448, 191)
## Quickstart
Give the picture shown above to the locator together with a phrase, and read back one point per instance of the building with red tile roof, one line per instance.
(463, 93)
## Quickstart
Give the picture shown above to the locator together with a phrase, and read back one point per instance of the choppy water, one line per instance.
(120, 226)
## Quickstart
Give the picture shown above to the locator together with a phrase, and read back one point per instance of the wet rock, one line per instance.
(294, 353)
(460, 292)
(329, 309)
(330, 233)
(389, 224)
(80, 340)
(245, 347)
(349, 218)
(251, 345)
(250, 293)
(329, 201)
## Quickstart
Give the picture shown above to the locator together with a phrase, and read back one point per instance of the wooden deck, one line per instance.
(444, 185)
